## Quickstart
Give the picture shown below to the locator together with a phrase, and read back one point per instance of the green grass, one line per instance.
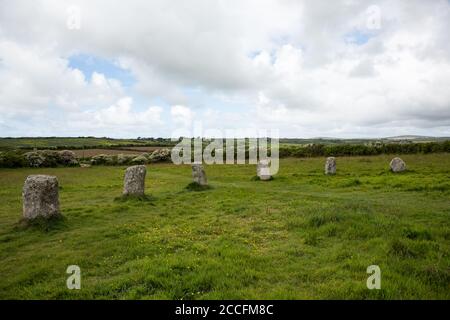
(303, 235)
(72, 142)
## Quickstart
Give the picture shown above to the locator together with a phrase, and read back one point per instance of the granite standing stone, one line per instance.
(134, 182)
(199, 175)
(397, 165)
(330, 166)
(263, 170)
(40, 197)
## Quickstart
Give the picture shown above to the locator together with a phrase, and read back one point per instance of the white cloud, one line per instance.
(121, 114)
(308, 67)
(182, 115)
(119, 120)
(35, 79)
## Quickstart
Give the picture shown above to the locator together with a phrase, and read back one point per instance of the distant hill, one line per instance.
(417, 137)
(330, 140)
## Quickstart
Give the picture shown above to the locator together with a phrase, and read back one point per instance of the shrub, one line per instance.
(160, 155)
(34, 159)
(68, 158)
(318, 150)
(123, 159)
(12, 159)
(141, 159)
(51, 158)
(103, 159)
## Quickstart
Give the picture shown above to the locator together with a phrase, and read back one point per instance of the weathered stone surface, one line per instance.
(40, 197)
(199, 175)
(263, 170)
(134, 182)
(397, 165)
(330, 165)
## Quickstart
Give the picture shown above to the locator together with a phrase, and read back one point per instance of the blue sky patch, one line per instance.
(357, 37)
(89, 64)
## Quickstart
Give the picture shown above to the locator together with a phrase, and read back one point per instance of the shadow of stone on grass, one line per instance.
(55, 222)
(256, 178)
(135, 198)
(195, 186)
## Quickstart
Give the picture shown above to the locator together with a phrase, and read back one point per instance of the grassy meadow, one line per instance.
(303, 235)
(77, 143)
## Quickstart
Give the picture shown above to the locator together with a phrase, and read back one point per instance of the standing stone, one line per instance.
(134, 182)
(40, 197)
(330, 165)
(263, 170)
(199, 175)
(397, 165)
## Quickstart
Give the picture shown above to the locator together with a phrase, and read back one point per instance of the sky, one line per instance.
(155, 68)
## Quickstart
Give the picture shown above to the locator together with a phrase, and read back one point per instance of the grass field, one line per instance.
(76, 143)
(57, 142)
(302, 235)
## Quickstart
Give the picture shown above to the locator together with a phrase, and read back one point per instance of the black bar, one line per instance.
(228, 309)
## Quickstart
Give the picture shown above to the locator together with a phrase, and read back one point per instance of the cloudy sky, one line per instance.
(147, 68)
